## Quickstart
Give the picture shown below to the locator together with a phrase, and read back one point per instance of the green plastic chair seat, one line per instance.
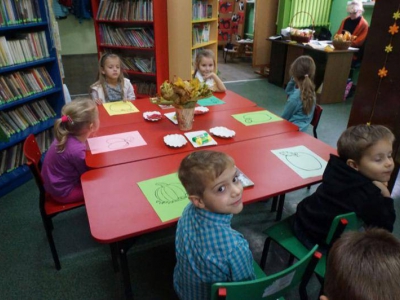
(282, 234)
(270, 287)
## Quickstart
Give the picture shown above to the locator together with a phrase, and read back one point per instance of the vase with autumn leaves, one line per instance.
(183, 95)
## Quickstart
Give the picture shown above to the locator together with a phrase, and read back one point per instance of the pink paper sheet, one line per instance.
(116, 142)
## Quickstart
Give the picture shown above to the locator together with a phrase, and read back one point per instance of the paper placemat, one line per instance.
(256, 117)
(166, 195)
(120, 108)
(302, 160)
(115, 142)
(210, 101)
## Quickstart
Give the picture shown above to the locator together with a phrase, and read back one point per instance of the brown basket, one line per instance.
(341, 45)
(299, 38)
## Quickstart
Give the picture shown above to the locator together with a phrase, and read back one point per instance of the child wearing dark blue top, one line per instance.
(299, 108)
(208, 250)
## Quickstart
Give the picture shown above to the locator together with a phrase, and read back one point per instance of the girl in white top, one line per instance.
(111, 85)
(204, 71)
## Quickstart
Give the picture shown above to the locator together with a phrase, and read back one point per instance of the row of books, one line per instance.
(13, 157)
(14, 12)
(139, 64)
(125, 10)
(201, 10)
(145, 88)
(24, 116)
(201, 33)
(23, 48)
(24, 83)
(121, 36)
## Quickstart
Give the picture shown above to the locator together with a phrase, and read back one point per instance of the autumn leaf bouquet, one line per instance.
(182, 93)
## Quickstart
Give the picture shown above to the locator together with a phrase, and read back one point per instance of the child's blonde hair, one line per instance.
(101, 78)
(201, 167)
(303, 72)
(355, 140)
(203, 53)
(76, 117)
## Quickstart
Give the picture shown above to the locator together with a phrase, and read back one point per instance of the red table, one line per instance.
(232, 101)
(154, 132)
(117, 209)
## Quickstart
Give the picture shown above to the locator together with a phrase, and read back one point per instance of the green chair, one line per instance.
(270, 287)
(282, 234)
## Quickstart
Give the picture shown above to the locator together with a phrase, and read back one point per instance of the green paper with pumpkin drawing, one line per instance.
(166, 195)
(256, 117)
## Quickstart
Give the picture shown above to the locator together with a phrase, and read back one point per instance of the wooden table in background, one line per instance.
(332, 68)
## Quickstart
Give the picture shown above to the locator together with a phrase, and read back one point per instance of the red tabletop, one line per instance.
(231, 99)
(154, 132)
(117, 209)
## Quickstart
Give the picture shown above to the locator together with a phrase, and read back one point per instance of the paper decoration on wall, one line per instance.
(224, 34)
(241, 17)
(225, 7)
(384, 72)
(257, 117)
(115, 142)
(224, 23)
(166, 195)
(302, 160)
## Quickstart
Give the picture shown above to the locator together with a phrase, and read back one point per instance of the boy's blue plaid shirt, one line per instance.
(208, 250)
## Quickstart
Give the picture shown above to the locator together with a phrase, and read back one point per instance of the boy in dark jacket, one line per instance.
(354, 181)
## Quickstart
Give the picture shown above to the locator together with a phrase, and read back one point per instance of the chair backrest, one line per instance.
(33, 156)
(269, 287)
(341, 223)
(315, 120)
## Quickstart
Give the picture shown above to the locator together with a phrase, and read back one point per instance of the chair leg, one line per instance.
(264, 255)
(274, 203)
(281, 202)
(48, 226)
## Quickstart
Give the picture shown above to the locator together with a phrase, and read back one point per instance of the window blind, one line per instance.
(318, 9)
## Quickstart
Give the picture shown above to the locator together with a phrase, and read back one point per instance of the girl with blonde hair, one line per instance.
(299, 108)
(64, 162)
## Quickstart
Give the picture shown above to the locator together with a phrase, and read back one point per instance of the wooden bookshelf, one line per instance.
(180, 30)
(24, 105)
(151, 16)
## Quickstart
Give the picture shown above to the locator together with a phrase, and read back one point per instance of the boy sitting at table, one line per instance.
(208, 250)
(354, 181)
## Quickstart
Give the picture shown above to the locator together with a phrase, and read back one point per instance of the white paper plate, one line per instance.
(175, 140)
(172, 117)
(192, 134)
(152, 116)
(222, 132)
(199, 110)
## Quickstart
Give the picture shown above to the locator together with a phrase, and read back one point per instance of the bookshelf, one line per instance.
(137, 32)
(181, 26)
(31, 93)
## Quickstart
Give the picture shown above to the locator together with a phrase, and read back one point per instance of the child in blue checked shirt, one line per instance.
(208, 250)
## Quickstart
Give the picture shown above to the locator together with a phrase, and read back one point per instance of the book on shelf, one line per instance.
(19, 12)
(209, 11)
(125, 10)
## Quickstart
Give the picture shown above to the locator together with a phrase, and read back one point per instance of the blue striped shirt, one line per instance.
(208, 250)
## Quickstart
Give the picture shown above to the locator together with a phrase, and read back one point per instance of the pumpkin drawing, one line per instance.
(169, 193)
(121, 107)
(257, 117)
(302, 160)
(119, 143)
